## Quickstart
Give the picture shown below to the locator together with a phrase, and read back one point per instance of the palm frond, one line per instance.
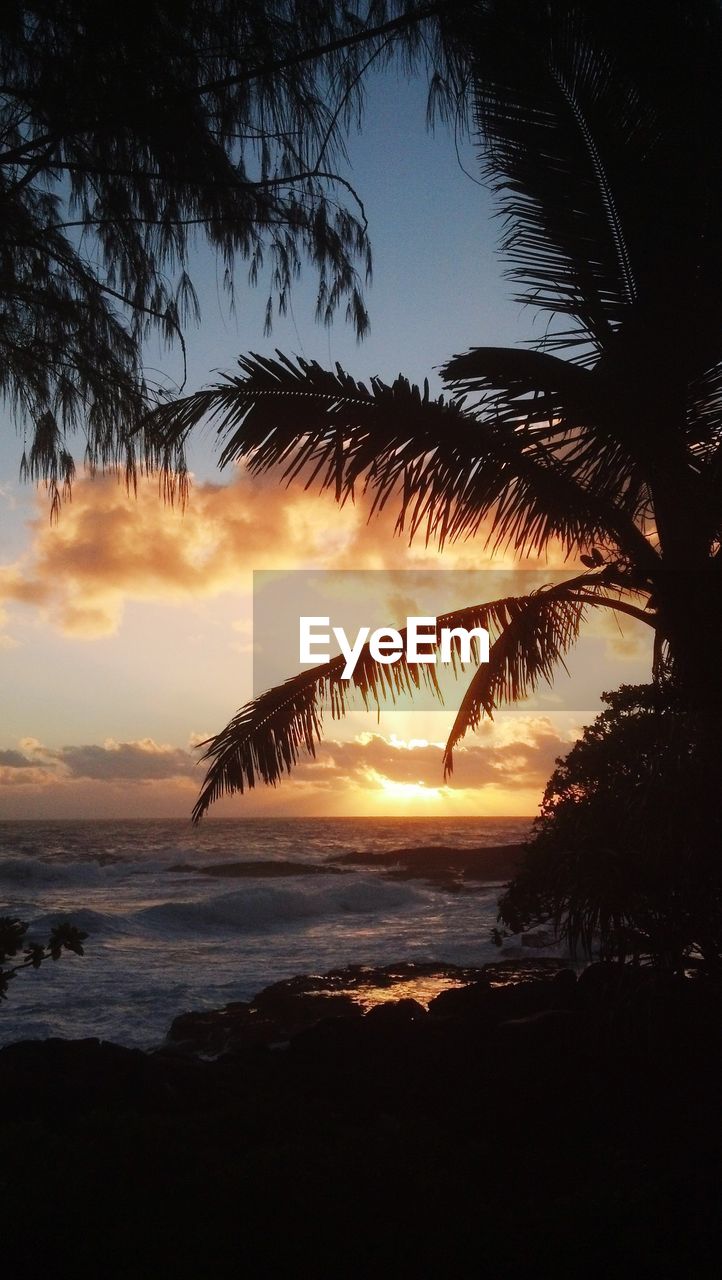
(561, 405)
(554, 113)
(603, 155)
(704, 419)
(267, 736)
(540, 629)
(451, 470)
(559, 386)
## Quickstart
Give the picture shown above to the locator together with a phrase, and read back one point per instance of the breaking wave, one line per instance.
(264, 907)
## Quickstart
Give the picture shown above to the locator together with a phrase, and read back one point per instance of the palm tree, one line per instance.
(600, 124)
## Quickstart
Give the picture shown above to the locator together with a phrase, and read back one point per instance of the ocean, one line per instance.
(165, 938)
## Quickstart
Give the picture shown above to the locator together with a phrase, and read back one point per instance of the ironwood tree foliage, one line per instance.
(599, 125)
(130, 133)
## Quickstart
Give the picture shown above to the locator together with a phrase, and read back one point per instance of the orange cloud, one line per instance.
(110, 548)
(360, 775)
(523, 761)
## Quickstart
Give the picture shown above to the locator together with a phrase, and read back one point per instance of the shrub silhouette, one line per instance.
(623, 853)
(64, 937)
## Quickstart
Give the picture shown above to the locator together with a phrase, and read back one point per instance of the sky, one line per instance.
(126, 628)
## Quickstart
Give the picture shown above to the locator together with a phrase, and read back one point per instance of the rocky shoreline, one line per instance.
(513, 1119)
(278, 1012)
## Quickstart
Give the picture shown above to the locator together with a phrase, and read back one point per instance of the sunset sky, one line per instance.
(125, 631)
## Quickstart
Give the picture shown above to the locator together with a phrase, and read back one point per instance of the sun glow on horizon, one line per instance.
(394, 790)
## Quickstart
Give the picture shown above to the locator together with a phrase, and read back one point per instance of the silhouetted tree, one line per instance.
(13, 943)
(600, 126)
(625, 852)
(128, 133)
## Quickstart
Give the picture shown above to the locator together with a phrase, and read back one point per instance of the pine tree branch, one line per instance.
(349, 41)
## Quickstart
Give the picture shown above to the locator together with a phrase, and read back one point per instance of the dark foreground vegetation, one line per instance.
(624, 855)
(557, 1123)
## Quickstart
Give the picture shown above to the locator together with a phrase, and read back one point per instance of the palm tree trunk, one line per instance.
(693, 623)
(693, 774)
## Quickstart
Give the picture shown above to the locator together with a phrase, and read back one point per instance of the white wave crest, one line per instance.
(264, 907)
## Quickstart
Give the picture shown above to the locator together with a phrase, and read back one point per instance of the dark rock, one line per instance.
(484, 1114)
(441, 865)
(549, 1027)
(461, 1002)
(273, 1017)
(564, 986)
(54, 1076)
(293, 1011)
(359, 976)
(522, 969)
(330, 1041)
(262, 868)
(500, 1003)
(235, 1027)
(395, 1013)
(205, 1025)
(300, 985)
(521, 999)
(604, 981)
(285, 1008)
